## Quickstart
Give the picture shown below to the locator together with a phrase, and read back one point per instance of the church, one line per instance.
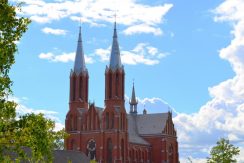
(110, 134)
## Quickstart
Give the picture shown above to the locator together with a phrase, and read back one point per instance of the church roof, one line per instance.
(115, 60)
(133, 132)
(145, 124)
(151, 123)
(79, 65)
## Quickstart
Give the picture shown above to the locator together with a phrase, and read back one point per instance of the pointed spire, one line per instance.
(79, 65)
(115, 61)
(133, 102)
(133, 96)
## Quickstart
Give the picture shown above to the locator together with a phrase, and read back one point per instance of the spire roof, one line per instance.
(79, 65)
(133, 100)
(115, 61)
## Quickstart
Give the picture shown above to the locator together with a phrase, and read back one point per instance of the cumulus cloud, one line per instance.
(142, 28)
(137, 17)
(142, 53)
(65, 57)
(48, 30)
(22, 109)
(222, 116)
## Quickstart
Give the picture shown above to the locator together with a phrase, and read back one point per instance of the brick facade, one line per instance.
(103, 134)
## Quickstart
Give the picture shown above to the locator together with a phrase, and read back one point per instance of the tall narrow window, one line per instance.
(109, 150)
(86, 98)
(123, 85)
(117, 85)
(122, 150)
(110, 85)
(107, 120)
(74, 87)
(112, 120)
(121, 121)
(81, 88)
(71, 123)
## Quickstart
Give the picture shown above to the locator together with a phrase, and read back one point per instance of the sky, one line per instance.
(185, 56)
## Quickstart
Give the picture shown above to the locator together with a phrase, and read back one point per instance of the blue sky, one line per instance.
(185, 54)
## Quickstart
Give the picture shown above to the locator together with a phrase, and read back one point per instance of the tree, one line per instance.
(30, 131)
(223, 152)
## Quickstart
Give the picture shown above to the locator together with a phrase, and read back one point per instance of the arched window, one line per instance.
(74, 87)
(71, 123)
(107, 120)
(81, 88)
(171, 153)
(112, 120)
(86, 98)
(109, 150)
(121, 122)
(123, 86)
(122, 150)
(110, 85)
(117, 84)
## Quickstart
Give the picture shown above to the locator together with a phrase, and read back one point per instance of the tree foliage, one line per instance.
(223, 152)
(30, 131)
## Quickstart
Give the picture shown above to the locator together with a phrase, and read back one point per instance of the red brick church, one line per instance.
(110, 134)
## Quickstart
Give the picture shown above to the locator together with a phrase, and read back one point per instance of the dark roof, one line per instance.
(63, 156)
(133, 132)
(59, 156)
(145, 124)
(151, 123)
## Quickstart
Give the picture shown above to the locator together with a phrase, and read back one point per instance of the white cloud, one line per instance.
(65, 57)
(48, 30)
(137, 17)
(142, 28)
(142, 53)
(222, 116)
(22, 109)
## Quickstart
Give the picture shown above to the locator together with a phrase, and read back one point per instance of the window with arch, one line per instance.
(112, 120)
(107, 120)
(81, 87)
(109, 150)
(171, 153)
(110, 85)
(122, 150)
(117, 84)
(71, 123)
(74, 88)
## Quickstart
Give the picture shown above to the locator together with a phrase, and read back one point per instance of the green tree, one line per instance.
(30, 131)
(223, 152)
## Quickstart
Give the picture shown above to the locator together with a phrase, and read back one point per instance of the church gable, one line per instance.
(91, 119)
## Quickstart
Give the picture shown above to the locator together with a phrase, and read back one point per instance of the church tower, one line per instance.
(78, 98)
(79, 79)
(114, 114)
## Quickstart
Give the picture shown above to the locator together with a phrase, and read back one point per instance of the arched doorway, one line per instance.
(91, 149)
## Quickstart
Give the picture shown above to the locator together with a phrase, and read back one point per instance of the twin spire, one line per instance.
(115, 63)
(80, 65)
(115, 60)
